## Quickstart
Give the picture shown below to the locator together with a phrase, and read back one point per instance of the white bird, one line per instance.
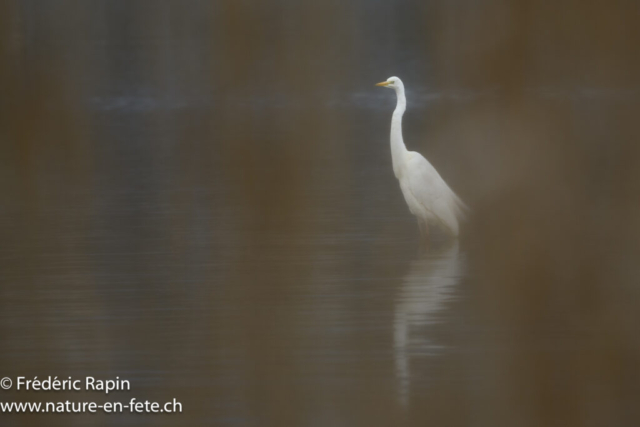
(429, 198)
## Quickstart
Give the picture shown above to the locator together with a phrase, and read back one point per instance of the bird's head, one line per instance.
(392, 83)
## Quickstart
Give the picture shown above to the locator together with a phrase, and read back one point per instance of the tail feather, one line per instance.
(461, 208)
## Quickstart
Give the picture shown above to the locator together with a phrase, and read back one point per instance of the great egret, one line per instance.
(429, 198)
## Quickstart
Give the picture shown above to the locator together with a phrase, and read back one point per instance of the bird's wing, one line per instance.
(428, 187)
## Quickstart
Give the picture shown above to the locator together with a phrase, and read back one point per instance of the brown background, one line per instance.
(197, 196)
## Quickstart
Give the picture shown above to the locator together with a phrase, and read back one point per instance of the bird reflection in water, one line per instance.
(424, 293)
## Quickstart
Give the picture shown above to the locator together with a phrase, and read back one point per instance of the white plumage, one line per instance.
(429, 198)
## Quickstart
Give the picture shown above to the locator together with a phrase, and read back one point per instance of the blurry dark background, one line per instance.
(197, 196)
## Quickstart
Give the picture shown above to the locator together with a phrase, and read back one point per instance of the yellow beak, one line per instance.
(383, 84)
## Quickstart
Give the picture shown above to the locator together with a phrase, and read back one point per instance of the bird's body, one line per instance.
(429, 198)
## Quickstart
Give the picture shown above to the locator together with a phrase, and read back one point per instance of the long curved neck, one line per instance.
(398, 149)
